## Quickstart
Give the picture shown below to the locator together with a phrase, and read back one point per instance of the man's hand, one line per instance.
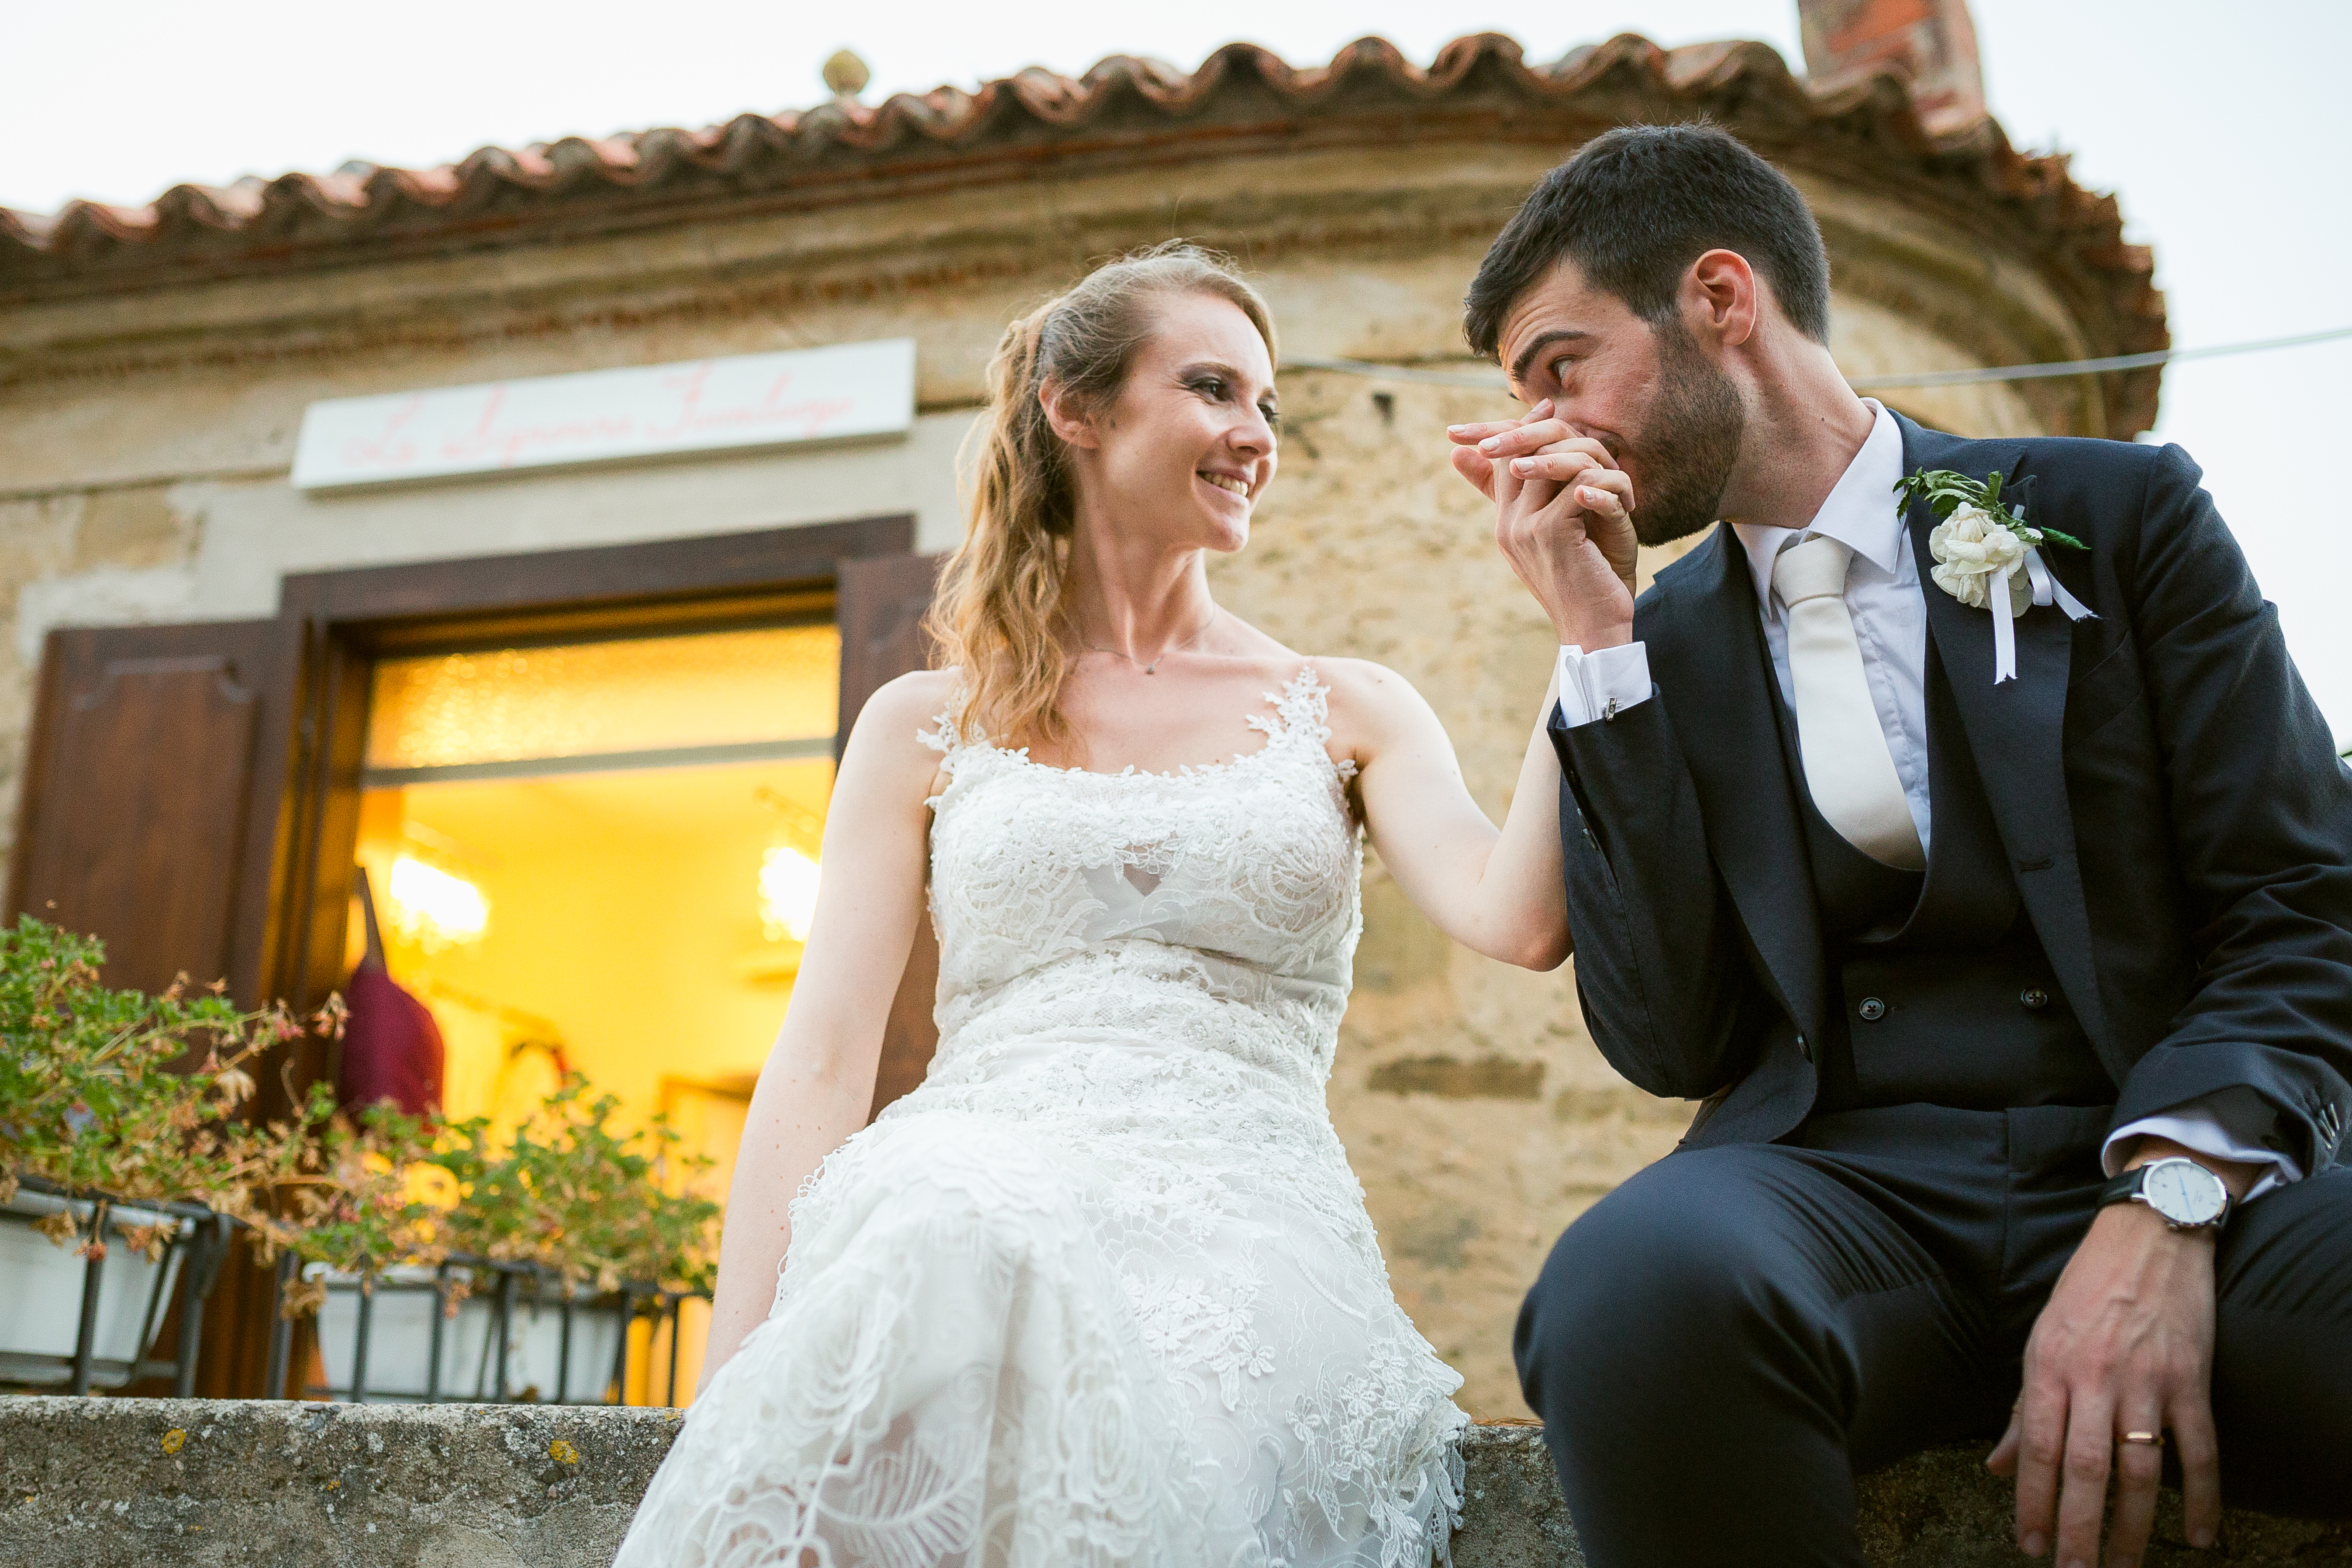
(2125, 1345)
(1564, 518)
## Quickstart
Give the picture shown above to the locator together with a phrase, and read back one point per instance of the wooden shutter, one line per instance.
(880, 607)
(150, 818)
(150, 796)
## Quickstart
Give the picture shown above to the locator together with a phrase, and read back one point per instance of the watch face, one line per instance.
(2184, 1192)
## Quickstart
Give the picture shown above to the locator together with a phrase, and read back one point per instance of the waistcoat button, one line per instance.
(2034, 997)
(1873, 1009)
(1804, 1049)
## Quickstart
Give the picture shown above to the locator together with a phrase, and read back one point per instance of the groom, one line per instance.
(2022, 1007)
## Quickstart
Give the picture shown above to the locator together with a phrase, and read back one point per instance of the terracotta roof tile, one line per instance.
(1241, 98)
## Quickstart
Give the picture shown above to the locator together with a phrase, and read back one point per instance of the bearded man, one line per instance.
(1952, 821)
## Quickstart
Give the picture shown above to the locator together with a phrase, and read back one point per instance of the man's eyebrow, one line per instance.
(1542, 340)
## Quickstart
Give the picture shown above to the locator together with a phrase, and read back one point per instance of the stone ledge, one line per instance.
(155, 1483)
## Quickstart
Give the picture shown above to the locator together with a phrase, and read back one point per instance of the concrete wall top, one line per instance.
(156, 1483)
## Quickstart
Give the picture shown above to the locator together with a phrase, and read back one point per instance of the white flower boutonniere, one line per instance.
(1987, 556)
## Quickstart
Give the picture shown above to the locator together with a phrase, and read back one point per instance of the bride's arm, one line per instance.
(1499, 893)
(818, 1082)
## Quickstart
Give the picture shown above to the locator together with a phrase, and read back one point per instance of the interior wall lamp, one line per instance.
(434, 910)
(788, 888)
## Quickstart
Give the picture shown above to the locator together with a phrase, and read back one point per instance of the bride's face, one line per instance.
(1188, 444)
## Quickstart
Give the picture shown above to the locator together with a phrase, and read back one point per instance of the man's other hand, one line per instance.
(2124, 1344)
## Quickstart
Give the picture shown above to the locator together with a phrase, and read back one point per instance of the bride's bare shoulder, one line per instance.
(901, 712)
(1369, 703)
(1362, 684)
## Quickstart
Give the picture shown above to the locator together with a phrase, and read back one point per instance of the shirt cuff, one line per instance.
(1603, 683)
(2224, 1126)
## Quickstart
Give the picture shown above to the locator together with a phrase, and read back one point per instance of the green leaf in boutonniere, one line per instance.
(1947, 492)
(1988, 556)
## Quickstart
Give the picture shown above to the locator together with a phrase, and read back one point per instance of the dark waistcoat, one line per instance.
(1940, 993)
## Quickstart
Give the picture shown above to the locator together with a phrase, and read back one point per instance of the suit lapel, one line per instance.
(2014, 730)
(1717, 669)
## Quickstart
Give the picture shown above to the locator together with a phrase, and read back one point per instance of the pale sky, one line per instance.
(2221, 128)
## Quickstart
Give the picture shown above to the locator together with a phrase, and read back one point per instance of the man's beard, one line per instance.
(1689, 442)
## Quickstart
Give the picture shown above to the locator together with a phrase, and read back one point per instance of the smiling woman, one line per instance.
(1104, 1279)
(1002, 594)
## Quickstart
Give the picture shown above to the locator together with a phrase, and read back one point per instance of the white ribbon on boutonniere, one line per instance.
(1984, 551)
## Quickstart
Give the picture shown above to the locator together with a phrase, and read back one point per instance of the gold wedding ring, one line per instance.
(2154, 1439)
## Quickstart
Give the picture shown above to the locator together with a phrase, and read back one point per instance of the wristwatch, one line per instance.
(2186, 1193)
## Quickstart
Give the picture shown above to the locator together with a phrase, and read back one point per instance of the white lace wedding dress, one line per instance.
(1103, 1289)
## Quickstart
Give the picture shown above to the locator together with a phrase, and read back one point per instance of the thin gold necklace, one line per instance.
(1153, 668)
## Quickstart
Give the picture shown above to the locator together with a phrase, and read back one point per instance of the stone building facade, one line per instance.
(155, 364)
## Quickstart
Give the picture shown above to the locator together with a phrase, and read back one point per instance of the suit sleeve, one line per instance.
(2261, 813)
(1661, 972)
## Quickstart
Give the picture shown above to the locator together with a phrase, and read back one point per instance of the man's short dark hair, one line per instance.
(1634, 207)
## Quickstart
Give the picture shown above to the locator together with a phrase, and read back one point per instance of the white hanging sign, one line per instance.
(742, 401)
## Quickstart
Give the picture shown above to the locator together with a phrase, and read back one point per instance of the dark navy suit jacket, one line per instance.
(2167, 795)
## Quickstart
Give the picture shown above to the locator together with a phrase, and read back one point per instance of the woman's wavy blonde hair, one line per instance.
(998, 611)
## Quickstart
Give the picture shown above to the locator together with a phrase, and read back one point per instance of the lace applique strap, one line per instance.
(1302, 712)
(944, 738)
(1301, 709)
(958, 751)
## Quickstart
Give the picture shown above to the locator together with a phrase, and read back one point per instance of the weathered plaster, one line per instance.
(1363, 257)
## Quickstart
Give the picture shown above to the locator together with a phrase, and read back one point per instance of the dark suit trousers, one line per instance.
(1720, 1344)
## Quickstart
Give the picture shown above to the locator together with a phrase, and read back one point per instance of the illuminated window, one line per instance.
(709, 697)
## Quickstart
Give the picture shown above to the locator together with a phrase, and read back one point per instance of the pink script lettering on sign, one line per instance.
(388, 447)
(808, 418)
(508, 444)
(742, 401)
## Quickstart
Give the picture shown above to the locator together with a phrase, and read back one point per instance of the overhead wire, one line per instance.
(1494, 380)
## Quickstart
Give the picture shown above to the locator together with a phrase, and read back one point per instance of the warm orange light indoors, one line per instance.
(584, 698)
(625, 915)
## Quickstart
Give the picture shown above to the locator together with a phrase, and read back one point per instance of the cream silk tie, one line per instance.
(1847, 765)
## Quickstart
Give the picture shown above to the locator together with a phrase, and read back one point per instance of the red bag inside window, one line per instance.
(391, 1046)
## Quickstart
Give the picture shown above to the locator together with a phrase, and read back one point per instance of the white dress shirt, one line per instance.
(1883, 595)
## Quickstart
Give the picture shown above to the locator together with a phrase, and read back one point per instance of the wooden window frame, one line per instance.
(341, 622)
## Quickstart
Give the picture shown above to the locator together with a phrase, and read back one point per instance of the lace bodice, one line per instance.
(1216, 907)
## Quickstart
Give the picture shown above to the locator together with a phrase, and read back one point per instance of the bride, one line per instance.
(1103, 1289)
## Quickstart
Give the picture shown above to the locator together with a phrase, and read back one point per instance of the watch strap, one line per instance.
(2122, 1189)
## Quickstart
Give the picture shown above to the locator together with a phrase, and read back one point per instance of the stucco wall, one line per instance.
(145, 479)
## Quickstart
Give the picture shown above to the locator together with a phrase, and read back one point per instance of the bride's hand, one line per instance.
(1563, 520)
(1475, 465)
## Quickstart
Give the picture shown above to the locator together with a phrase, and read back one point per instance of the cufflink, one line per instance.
(1609, 710)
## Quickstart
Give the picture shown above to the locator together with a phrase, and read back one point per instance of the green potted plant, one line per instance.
(123, 1124)
(596, 1217)
(109, 1156)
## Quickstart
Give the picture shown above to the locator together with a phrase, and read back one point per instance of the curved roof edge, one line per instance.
(1241, 98)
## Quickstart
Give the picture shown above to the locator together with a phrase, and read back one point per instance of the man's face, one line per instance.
(1668, 415)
